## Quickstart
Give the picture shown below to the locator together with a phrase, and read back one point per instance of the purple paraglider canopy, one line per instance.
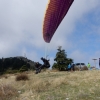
(56, 11)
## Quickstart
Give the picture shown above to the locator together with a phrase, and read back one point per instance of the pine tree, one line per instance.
(61, 60)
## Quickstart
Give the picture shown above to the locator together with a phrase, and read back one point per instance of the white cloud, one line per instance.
(21, 28)
(79, 57)
(77, 12)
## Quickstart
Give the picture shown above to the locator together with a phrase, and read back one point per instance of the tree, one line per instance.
(1, 65)
(61, 60)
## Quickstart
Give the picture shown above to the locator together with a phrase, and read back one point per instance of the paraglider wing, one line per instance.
(56, 11)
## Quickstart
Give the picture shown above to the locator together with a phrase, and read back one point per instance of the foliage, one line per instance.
(23, 68)
(14, 64)
(23, 77)
(61, 60)
(9, 71)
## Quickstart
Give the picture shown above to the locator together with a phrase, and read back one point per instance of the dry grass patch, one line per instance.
(78, 85)
(7, 92)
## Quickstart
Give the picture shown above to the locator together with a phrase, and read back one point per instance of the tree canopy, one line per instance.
(61, 60)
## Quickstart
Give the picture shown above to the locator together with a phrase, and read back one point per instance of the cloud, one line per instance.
(21, 29)
(77, 13)
(78, 56)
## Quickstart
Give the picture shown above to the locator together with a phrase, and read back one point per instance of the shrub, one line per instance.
(76, 68)
(23, 68)
(11, 71)
(80, 69)
(23, 77)
(85, 68)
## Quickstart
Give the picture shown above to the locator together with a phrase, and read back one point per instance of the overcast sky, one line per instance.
(21, 31)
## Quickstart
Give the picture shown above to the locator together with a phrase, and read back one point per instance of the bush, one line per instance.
(23, 77)
(80, 69)
(76, 68)
(85, 68)
(11, 71)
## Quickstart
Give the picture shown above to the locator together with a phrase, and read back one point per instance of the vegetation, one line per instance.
(61, 60)
(23, 68)
(23, 77)
(55, 85)
(14, 64)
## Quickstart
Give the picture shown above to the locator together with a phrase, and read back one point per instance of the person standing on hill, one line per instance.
(69, 67)
(88, 65)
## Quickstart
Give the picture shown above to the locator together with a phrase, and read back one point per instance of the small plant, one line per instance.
(23, 77)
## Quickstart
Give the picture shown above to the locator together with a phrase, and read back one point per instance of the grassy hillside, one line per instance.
(52, 85)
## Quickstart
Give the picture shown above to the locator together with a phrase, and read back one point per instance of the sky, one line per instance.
(21, 23)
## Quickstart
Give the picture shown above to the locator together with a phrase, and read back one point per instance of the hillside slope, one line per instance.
(52, 85)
